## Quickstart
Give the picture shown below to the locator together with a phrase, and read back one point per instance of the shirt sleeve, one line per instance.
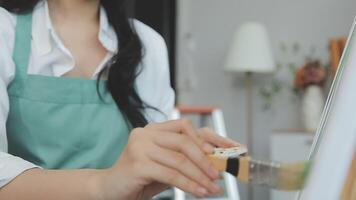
(153, 83)
(10, 166)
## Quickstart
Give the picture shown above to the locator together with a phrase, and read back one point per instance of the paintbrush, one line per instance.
(287, 177)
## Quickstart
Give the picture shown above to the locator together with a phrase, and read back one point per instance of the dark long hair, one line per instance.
(124, 66)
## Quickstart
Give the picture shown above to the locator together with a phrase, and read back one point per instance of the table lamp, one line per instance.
(250, 53)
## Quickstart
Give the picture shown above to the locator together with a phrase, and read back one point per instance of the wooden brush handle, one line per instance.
(220, 163)
(239, 167)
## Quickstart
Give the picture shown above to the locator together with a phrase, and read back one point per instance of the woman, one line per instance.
(80, 88)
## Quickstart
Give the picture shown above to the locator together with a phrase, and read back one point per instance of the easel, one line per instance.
(337, 46)
(349, 191)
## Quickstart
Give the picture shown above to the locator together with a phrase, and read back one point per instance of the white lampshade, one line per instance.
(251, 50)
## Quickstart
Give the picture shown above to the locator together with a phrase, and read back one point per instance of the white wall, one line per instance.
(204, 34)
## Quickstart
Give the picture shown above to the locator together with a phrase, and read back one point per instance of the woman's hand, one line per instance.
(162, 155)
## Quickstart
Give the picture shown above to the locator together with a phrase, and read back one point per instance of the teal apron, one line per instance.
(61, 122)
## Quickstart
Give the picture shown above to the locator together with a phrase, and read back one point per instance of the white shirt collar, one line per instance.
(43, 30)
(107, 35)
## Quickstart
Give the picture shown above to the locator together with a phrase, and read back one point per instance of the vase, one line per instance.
(312, 107)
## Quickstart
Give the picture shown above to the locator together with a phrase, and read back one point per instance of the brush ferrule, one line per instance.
(264, 173)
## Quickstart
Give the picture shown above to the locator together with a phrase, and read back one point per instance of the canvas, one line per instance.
(335, 142)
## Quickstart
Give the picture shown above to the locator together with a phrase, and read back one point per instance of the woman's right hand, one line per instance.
(159, 156)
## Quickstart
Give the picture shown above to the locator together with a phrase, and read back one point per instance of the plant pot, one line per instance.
(312, 107)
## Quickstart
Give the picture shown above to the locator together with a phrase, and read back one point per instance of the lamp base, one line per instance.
(249, 120)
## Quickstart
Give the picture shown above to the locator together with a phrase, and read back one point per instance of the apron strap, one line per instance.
(22, 49)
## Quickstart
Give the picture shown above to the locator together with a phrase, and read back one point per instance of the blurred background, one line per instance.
(272, 94)
(267, 65)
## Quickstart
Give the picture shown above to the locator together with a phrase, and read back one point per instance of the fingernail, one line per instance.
(221, 191)
(214, 173)
(216, 188)
(202, 191)
(234, 143)
(208, 148)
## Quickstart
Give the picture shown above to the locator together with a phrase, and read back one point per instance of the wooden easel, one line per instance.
(349, 191)
(337, 46)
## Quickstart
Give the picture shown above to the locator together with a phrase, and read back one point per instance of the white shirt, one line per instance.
(49, 57)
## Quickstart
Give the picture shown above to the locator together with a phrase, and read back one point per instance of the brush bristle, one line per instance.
(292, 176)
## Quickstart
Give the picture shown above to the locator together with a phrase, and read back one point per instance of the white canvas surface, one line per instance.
(335, 144)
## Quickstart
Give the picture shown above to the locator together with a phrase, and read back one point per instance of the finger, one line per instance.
(154, 189)
(210, 145)
(166, 175)
(183, 126)
(183, 144)
(184, 165)
(211, 137)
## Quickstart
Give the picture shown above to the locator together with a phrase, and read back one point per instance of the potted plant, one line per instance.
(309, 81)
